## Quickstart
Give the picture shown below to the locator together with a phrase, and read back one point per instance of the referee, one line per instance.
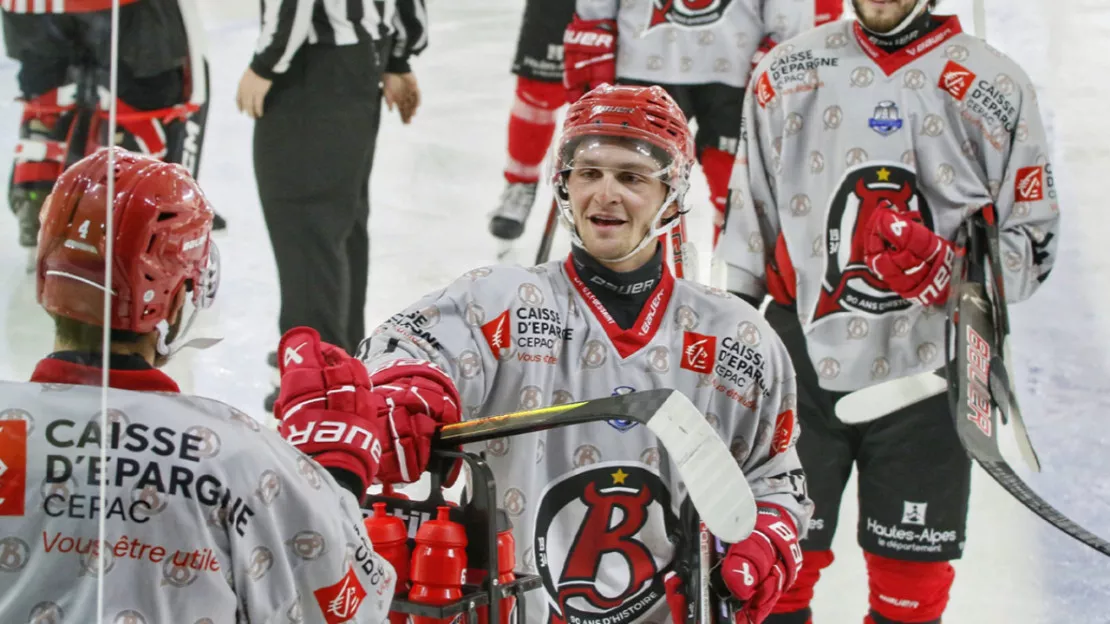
(314, 87)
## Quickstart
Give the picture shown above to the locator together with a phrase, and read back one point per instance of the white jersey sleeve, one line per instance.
(311, 538)
(783, 19)
(596, 9)
(447, 328)
(209, 516)
(1025, 195)
(752, 200)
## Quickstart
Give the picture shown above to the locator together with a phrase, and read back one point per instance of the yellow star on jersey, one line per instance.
(619, 476)
(884, 174)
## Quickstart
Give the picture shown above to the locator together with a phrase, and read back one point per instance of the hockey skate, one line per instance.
(507, 221)
(26, 204)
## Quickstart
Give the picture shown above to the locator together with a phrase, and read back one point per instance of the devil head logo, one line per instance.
(848, 284)
(688, 13)
(601, 542)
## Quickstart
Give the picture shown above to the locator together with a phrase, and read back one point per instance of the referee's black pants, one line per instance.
(313, 151)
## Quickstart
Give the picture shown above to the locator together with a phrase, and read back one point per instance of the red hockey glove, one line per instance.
(326, 408)
(765, 46)
(589, 56)
(761, 568)
(912, 260)
(419, 396)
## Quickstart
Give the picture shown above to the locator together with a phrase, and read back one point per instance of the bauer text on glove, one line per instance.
(327, 410)
(589, 56)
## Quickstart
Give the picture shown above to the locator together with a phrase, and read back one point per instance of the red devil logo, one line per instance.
(848, 284)
(689, 13)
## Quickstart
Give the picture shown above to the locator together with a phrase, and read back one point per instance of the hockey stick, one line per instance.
(548, 235)
(1001, 383)
(713, 479)
(979, 372)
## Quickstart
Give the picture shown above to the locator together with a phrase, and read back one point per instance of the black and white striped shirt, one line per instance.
(289, 24)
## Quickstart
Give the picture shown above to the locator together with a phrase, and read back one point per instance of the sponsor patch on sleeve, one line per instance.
(340, 602)
(13, 467)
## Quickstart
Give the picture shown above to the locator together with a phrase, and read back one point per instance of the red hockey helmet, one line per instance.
(161, 223)
(648, 116)
(645, 119)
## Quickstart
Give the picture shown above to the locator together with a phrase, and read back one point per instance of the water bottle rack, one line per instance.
(474, 597)
(482, 521)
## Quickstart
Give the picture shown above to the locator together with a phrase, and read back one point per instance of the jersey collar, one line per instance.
(69, 367)
(891, 62)
(631, 340)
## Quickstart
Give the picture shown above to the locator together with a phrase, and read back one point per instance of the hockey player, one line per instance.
(865, 145)
(701, 52)
(209, 517)
(539, 95)
(593, 504)
(63, 51)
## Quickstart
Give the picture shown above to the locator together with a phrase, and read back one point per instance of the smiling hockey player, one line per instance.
(593, 504)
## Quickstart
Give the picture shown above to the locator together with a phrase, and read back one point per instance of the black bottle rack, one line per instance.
(482, 521)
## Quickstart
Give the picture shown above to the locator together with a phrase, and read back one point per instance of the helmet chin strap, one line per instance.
(917, 10)
(168, 349)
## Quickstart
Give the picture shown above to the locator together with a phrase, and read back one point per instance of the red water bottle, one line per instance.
(390, 540)
(438, 569)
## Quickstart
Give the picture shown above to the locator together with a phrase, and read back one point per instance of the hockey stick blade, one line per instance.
(713, 479)
(874, 402)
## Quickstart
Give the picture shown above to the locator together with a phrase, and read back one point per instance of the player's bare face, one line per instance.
(615, 197)
(882, 16)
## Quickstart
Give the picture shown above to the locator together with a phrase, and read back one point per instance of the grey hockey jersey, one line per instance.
(835, 127)
(210, 517)
(591, 503)
(682, 42)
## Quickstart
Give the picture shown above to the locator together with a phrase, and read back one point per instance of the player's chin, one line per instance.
(605, 247)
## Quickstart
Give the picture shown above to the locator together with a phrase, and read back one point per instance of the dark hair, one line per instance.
(85, 337)
(78, 336)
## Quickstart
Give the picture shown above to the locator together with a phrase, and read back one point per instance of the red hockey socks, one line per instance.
(41, 149)
(907, 591)
(531, 127)
(717, 165)
(793, 607)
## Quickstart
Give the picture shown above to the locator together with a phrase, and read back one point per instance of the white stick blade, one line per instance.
(874, 402)
(716, 485)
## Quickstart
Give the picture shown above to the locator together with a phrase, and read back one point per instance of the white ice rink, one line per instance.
(435, 181)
